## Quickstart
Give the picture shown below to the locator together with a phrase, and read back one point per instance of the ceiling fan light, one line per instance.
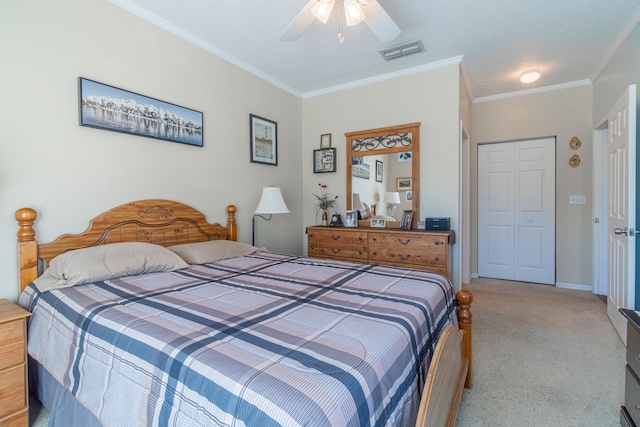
(530, 76)
(353, 12)
(322, 10)
(364, 2)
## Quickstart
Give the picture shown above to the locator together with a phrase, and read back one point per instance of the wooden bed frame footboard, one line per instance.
(162, 222)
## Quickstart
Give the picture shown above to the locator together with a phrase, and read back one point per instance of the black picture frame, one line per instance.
(379, 170)
(107, 107)
(407, 218)
(324, 160)
(264, 140)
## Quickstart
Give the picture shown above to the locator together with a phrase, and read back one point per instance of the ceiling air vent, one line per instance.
(401, 50)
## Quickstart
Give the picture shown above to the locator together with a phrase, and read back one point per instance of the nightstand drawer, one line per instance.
(12, 389)
(632, 395)
(11, 343)
(633, 348)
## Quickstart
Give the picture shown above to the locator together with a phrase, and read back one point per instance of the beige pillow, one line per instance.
(105, 262)
(214, 250)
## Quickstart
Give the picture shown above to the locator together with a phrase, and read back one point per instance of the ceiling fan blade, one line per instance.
(299, 23)
(380, 23)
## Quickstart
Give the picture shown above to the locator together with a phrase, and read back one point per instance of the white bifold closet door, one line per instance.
(516, 210)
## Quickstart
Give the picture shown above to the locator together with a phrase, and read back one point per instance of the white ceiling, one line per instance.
(570, 41)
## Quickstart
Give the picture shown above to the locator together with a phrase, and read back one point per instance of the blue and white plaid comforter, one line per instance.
(260, 340)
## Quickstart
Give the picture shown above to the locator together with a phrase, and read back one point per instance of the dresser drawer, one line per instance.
(11, 343)
(12, 389)
(338, 243)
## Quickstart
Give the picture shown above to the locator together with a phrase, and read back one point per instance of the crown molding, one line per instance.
(613, 49)
(178, 32)
(533, 91)
(389, 76)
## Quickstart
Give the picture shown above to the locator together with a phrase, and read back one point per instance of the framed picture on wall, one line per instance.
(379, 166)
(324, 160)
(403, 184)
(264, 140)
(325, 140)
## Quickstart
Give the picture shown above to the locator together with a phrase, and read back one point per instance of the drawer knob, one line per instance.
(375, 253)
(360, 238)
(311, 235)
(335, 237)
(437, 243)
(404, 243)
(406, 257)
(437, 258)
(335, 250)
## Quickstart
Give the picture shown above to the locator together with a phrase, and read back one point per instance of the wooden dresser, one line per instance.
(14, 394)
(423, 250)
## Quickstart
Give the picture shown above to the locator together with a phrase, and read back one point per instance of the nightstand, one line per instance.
(14, 393)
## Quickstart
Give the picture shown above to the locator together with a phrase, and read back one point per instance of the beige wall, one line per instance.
(622, 71)
(430, 97)
(70, 173)
(564, 114)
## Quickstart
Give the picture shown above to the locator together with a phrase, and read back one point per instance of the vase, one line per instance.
(325, 218)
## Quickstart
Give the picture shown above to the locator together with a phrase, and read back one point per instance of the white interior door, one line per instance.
(622, 212)
(516, 210)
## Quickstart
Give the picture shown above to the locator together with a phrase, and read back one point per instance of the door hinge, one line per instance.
(596, 220)
(632, 232)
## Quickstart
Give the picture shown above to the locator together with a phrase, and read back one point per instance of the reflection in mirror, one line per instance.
(380, 162)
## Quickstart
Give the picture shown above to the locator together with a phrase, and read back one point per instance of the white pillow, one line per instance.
(211, 251)
(106, 262)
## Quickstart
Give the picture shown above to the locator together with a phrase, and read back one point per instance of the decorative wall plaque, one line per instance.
(574, 161)
(575, 143)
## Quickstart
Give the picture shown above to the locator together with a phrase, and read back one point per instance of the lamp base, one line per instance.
(391, 210)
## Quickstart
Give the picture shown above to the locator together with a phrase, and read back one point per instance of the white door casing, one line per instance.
(516, 210)
(622, 209)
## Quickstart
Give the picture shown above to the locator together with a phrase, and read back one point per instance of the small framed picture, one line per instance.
(264, 140)
(351, 218)
(404, 184)
(379, 166)
(325, 140)
(379, 222)
(420, 225)
(324, 160)
(404, 157)
(409, 195)
(407, 217)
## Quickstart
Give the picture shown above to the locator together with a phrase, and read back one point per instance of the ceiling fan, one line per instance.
(355, 11)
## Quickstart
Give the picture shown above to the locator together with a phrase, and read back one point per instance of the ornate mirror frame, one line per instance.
(391, 139)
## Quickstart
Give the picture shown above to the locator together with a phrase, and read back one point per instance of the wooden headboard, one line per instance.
(163, 222)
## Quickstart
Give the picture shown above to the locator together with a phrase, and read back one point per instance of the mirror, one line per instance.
(394, 151)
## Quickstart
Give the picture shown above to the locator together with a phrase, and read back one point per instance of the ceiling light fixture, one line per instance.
(352, 10)
(530, 76)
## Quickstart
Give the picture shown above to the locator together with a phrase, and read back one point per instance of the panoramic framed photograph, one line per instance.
(325, 140)
(351, 218)
(379, 222)
(403, 184)
(264, 140)
(360, 170)
(324, 160)
(106, 107)
(379, 166)
(407, 217)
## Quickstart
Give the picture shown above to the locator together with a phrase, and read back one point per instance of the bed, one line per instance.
(233, 336)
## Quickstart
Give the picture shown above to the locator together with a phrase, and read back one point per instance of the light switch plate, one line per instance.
(577, 200)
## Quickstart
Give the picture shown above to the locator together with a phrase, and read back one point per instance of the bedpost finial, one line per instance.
(465, 298)
(26, 218)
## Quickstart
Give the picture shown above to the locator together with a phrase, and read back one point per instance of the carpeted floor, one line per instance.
(543, 356)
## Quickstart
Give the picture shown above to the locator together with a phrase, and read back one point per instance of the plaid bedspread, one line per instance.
(261, 340)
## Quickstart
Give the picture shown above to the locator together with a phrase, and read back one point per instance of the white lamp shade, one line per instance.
(357, 203)
(322, 10)
(271, 202)
(353, 12)
(392, 197)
